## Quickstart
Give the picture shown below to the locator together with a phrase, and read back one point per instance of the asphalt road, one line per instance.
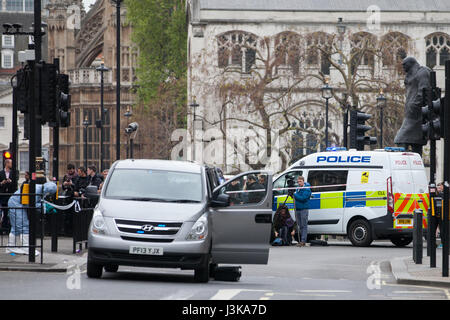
(338, 271)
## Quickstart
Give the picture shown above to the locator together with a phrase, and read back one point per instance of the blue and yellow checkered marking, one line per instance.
(336, 200)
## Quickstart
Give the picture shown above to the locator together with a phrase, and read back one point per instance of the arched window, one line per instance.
(288, 50)
(363, 50)
(395, 47)
(318, 51)
(438, 49)
(238, 49)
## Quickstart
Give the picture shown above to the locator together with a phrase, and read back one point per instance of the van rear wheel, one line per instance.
(360, 233)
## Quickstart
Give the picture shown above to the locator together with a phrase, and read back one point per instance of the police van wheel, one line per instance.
(360, 233)
(401, 241)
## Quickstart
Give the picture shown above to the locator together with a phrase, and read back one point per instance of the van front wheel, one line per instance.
(201, 274)
(360, 233)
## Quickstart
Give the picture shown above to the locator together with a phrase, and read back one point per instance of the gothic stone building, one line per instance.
(233, 41)
(80, 41)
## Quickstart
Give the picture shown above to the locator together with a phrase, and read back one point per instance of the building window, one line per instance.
(2, 122)
(363, 50)
(288, 51)
(24, 161)
(14, 5)
(238, 49)
(7, 41)
(395, 48)
(7, 59)
(438, 49)
(319, 48)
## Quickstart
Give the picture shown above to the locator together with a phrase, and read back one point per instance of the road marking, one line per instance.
(416, 292)
(228, 294)
(324, 291)
(180, 295)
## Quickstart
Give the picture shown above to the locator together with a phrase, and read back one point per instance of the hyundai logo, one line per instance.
(147, 227)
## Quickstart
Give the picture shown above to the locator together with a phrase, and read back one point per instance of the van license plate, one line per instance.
(146, 250)
(404, 221)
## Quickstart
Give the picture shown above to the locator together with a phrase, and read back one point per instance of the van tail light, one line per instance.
(390, 195)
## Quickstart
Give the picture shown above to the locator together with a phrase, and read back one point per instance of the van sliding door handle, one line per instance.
(263, 218)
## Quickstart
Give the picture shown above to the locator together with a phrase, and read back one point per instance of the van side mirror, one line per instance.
(220, 200)
(91, 192)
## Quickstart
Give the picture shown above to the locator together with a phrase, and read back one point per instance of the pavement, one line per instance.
(48, 261)
(404, 270)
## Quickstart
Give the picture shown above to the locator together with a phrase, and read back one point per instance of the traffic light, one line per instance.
(6, 155)
(433, 116)
(20, 90)
(358, 127)
(64, 98)
(49, 75)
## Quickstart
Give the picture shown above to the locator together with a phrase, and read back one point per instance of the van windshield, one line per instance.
(154, 185)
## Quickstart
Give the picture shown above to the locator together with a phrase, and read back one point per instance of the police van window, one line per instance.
(246, 189)
(284, 180)
(320, 179)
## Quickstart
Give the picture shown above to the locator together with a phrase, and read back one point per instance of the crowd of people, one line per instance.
(75, 182)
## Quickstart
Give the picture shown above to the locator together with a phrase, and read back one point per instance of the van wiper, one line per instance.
(184, 201)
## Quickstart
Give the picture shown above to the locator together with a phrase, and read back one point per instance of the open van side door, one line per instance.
(241, 229)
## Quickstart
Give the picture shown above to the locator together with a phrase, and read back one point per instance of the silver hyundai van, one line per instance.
(174, 214)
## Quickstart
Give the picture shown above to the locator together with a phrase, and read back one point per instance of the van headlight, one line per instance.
(98, 222)
(199, 230)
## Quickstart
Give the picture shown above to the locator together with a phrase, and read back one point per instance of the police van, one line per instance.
(365, 195)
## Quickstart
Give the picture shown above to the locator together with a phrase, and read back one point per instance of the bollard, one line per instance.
(417, 236)
(54, 231)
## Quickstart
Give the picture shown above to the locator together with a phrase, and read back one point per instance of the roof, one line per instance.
(170, 165)
(326, 5)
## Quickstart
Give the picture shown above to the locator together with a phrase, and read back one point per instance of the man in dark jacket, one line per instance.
(253, 185)
(82, 182)
(301, 196)
(93, 178)
(6, 186)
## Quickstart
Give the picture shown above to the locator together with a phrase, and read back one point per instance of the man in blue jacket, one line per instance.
(302, 195)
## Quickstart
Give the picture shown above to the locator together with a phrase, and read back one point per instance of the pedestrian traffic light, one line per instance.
(358, 127)
(64, 100)
(49, 75)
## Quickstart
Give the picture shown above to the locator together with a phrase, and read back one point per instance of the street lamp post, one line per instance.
(85, 124)
(193, 105)
(327, 94)
(117, 2)
(101, 69)
(381, 103)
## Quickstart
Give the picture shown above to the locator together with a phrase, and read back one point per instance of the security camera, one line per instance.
(132, 127)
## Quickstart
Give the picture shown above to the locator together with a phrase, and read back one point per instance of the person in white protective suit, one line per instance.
(18, 240)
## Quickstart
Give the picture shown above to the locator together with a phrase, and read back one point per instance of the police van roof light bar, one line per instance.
(336, 149)
(394, 149)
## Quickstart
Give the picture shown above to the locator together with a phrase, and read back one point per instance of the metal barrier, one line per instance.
(22, 224)
(75, 220)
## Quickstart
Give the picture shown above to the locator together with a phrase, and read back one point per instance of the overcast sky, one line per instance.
(87, 3)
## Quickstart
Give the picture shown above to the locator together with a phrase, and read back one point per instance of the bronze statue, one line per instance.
(417, 78)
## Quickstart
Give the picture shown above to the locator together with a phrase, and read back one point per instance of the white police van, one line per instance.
(365, 195)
